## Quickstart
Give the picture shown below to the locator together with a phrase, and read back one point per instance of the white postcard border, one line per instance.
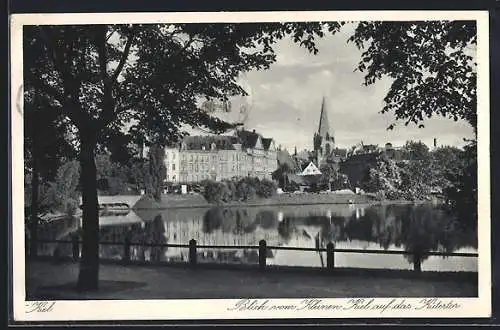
(225, 308)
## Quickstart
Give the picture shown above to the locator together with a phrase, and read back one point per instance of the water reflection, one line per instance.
(419, 228)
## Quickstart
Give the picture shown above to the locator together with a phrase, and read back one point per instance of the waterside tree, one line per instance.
(101, 76)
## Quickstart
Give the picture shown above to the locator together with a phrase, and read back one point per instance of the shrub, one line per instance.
(245, 190)
(238, 190)
(266, 188)
(216, 192)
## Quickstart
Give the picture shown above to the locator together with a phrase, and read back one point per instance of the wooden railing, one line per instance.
(262, 248)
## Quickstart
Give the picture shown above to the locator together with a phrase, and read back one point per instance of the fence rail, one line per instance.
(262, 248)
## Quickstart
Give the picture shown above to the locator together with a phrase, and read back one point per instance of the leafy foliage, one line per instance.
(61, 195)
(461, 193)
(416, 173)
(266, 188)
(111, 176)
(243, 189)
(281, 175)
(431, 65)
(384, 179)
(216, 192)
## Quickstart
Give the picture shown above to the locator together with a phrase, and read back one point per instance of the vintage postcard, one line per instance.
(250, 165)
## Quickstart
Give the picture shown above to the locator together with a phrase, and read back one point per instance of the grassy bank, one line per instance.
(183, 201)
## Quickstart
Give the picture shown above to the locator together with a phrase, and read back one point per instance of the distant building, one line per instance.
(326, 135)
(172, 164)
(197, 158)
(310, 169)
(361, 158)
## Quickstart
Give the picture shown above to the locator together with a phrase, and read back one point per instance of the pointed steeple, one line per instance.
(324, 125)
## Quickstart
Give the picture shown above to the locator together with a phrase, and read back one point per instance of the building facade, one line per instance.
(172, 164)
(198, 158)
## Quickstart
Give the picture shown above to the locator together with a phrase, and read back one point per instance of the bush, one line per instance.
(245, 191)
(266, 188)
(237, 190)
(216, 192)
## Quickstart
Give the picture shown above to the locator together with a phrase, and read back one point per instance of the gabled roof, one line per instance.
(266, 143)
(248, 139)
(312, 167)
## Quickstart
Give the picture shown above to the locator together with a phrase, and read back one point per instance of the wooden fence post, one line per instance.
(262, 254)
(330, 261)
(192, 253)
(126, 249)
(75, 244)
(417, 262)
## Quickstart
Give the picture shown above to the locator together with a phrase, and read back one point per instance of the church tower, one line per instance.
(324, 140)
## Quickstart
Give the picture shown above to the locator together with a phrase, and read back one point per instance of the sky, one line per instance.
(285, 101)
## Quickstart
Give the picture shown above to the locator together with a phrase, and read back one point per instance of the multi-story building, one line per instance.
(172, 164)
(198, 158)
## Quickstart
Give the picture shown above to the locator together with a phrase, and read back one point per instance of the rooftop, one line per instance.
(247, 139)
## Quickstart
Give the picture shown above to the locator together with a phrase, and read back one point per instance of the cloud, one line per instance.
(285, 101)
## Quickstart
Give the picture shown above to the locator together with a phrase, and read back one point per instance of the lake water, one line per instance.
(420, 227)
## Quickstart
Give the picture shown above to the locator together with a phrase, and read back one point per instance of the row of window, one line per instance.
(223, 167)
(196, 177)
(167, 155)
(222, 157)
(172, 178)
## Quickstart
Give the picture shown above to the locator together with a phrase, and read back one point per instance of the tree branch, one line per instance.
(108, 102)
(110, 34)
(138, 100)
(124, 57)
(70, 102)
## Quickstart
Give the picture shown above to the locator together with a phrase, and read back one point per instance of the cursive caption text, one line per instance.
(355, 304)
(40, 306)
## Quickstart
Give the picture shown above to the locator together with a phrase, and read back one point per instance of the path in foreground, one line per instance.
(49, 280)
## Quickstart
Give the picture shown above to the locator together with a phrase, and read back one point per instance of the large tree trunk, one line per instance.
(33, 226)
(88, 278)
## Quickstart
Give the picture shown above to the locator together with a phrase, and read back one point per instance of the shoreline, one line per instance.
(198, 201)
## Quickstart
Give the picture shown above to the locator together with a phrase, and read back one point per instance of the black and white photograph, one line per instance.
(250, 165)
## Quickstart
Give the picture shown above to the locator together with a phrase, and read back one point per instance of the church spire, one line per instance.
(324, 125)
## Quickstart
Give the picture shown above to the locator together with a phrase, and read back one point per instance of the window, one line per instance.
(191, 158)
(173, 167)
(173, 177)
(173, 156)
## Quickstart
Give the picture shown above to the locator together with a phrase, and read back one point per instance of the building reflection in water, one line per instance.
(421, 228)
